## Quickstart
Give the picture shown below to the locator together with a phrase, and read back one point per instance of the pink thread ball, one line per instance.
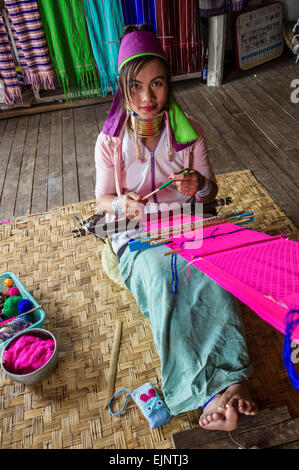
(14, 291)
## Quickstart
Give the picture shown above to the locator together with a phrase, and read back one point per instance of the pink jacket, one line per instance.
(108, 160)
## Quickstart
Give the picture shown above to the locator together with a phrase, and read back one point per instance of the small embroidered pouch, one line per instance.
(149, 402)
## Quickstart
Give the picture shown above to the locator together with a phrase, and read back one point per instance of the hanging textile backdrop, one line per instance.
(81, 39)
(218, 7)
(139, 12)
(31, 47)
(105, 23)
(178, 28)
(70, 49)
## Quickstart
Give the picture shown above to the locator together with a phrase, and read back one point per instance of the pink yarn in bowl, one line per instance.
(28, 354)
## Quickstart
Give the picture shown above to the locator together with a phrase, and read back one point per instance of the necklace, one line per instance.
(146, 127)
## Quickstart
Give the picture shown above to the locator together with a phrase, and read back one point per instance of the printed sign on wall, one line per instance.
(259, 35)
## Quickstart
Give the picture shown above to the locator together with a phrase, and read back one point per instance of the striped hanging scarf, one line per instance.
(139, 12)
(218, 7)
(70, 49)
(178, 28)
(31, 52)
(105, 23)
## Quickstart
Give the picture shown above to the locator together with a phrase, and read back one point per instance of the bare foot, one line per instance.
(239, 397)
(218, 418)
(222, 412)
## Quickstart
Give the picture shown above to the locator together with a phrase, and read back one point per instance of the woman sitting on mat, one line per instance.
(198, 333)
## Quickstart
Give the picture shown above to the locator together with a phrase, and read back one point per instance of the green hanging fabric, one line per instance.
(65, 26)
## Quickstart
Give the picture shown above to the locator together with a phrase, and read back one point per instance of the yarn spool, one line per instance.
(14, 291)
(10, 307)
(5, 333)
(5, 329)
(24, 306)
(18, 324)
(8, 282)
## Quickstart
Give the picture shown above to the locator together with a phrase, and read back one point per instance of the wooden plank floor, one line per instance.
(270, 428)
(47, 159)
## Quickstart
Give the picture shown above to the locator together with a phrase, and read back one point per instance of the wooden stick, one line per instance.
(160, 241)
(113, 362)
(172, 252)
(29, 311)
(183, 172)
(158, 233)
(190, 226)
(152, 193)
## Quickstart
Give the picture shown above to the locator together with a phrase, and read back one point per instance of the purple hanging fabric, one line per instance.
(218, 7)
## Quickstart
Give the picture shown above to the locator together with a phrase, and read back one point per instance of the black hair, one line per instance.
(130, 70)
(131, 28)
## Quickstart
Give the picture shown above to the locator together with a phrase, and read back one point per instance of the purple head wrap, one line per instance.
(137, 44)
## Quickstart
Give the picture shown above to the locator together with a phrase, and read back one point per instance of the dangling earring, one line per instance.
(169, 134)
(138, 152)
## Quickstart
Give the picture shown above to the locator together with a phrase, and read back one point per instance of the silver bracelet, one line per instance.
(115, 205)
(205, 190)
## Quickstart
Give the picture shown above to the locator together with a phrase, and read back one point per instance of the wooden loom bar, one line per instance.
(157, 234)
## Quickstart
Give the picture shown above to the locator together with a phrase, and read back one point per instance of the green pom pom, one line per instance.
(10, 307)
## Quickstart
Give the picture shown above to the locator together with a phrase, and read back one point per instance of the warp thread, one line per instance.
(196, 258)
(174, 272)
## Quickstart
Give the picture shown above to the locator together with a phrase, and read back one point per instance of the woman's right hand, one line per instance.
(130, 205)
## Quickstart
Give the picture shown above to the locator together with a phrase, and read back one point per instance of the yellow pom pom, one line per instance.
(8, 282)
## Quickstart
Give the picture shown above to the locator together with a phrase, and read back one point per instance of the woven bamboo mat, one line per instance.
(82, 306)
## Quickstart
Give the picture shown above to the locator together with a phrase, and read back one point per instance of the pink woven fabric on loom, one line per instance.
(260, 270)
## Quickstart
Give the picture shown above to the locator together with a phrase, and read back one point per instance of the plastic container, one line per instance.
(40, 374)
(38, 315)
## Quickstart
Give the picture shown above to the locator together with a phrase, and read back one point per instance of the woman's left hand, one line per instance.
(188, 183)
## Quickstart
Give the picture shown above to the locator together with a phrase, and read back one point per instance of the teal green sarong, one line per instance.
(198, 333)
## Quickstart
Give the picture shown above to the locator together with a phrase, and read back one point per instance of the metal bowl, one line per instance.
(41, 373)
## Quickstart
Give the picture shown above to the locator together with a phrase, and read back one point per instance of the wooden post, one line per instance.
(217, 40)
